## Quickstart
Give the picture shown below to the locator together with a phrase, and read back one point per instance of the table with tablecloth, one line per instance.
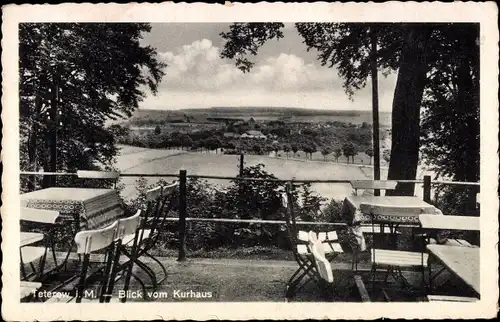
(91, 208)
(352, 214)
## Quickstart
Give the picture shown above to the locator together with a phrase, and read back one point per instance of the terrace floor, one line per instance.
(248, 280)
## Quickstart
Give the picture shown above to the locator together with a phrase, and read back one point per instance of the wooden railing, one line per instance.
(183, 176)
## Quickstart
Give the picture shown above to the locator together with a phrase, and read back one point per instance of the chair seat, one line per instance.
(30, 238)
(30, 253)
(328, 247)
(128, 239)
(446, 298)
(28, 288)
(322, 236)
(398, 258)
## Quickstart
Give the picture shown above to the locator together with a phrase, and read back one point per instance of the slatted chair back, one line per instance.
(164, 199)
(38, 215)
(286, 201)
(373, 185)
(151, 210)
(169, 196)
(89, 174)
(295, 243)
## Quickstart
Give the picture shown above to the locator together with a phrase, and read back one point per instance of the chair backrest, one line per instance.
(170, 189)
(156, 214)
(129, 225)
(38, 215)
(154, 194)
(168, 200)
(373, 185)
(287, 203)
(87, 174)
(89, 241)
(322, 264)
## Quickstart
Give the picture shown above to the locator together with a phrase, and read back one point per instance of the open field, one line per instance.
(142, 160)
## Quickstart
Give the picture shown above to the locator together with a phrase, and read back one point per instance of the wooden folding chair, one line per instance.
(127, 227)
(30, 254)
(394, 260)
(90, 242)
(301, 251)
(160, 201)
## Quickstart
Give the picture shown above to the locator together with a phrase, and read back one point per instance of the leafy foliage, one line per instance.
(420, 54)
(92, 72)
(246, 38)
(243, 199)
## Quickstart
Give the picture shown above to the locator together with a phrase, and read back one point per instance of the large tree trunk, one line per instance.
(468, 107)
(406, 110)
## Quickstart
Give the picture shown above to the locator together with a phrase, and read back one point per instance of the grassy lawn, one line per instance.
(139, 160)
(151, 161)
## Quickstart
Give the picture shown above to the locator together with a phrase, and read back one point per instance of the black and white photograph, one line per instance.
(281, 162)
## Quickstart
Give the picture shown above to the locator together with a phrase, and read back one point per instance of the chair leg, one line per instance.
(42, 263)
(148, 271)
(292, 286)
(163, 268)
(143, 286)
(386, 277)
(373, 274)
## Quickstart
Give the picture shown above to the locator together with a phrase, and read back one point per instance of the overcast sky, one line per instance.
(285, 74)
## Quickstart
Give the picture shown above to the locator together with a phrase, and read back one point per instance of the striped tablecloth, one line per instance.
(94, 208)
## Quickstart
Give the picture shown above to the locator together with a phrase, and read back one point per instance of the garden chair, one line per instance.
(159, 202)
(301, 252)
(90, 242)
(126, 227)
(373, 185)
(393, 260)
(88, 174)
(30, 254)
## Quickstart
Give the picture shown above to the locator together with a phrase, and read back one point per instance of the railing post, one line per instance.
(182, 215)
(427, 188)
(242, 163)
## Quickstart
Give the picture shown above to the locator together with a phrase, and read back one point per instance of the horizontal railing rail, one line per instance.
(205, 176)
(183, 176)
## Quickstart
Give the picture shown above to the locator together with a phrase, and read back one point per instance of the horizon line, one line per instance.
(262, 106)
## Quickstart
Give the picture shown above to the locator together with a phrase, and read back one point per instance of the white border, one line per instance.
(484, 13)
